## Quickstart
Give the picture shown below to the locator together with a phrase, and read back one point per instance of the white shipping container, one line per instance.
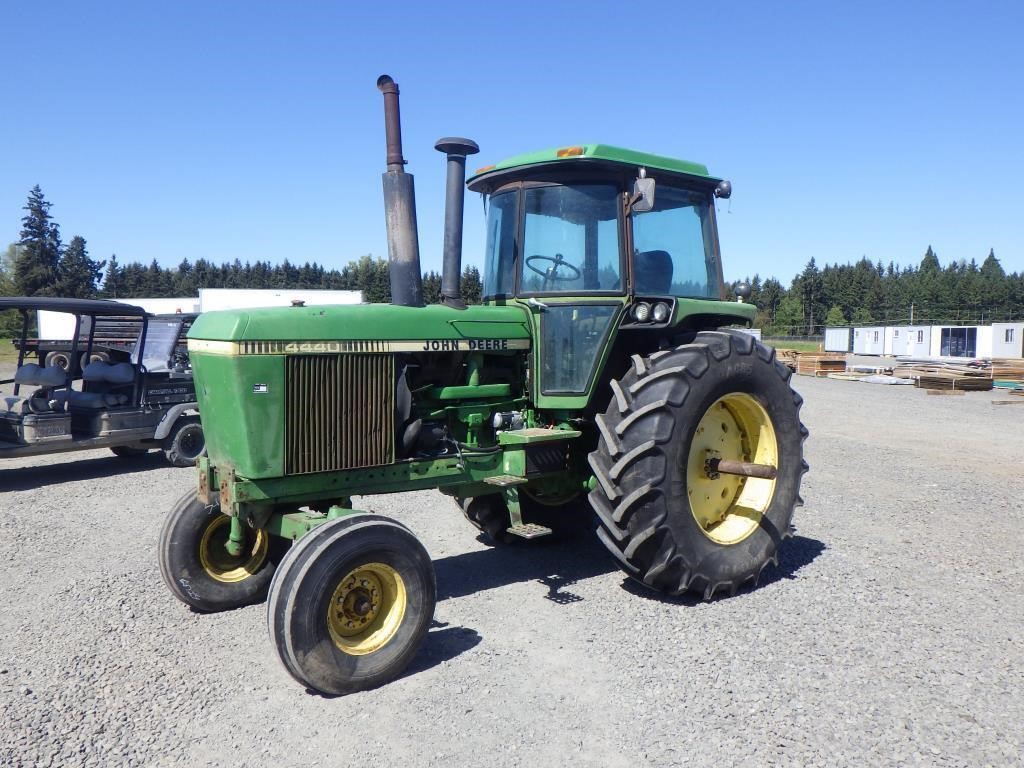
(837, 339)
(869, 340)
(1007, 339)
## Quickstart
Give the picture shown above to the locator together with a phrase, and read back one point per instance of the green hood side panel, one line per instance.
(385, 322)
(241, 400)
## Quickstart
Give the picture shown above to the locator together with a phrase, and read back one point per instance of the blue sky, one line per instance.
(254, 130)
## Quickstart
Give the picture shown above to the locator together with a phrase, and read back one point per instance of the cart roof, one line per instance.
(73, 306)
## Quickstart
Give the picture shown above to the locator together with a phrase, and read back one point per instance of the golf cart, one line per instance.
(143, 402)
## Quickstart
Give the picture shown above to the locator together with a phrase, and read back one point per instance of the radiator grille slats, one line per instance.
(340, 412)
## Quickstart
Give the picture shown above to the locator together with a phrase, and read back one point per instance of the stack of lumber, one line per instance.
(820, 364)
(787, 357)
(942, 375)
(1008, 368)
(977, 381)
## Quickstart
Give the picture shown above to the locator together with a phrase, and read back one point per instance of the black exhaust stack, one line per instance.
(400, 208)
(454, 201)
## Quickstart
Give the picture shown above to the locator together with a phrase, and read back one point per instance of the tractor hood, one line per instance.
(381, 328)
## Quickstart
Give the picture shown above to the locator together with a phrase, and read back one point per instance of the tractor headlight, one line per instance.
(642, 312)
(660, 312)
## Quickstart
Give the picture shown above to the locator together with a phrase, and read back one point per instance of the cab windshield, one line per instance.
(570, 241)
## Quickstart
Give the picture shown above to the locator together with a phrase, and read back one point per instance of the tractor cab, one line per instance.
(593, 239)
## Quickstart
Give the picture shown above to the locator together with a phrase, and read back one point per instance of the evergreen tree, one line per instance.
(431, 288)
(471, 286)
(112, 279)
(835, 317)
(36, 268)
(78, 273)
(790, 319)
(861, 316)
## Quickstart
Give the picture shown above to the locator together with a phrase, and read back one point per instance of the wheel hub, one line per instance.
(728, 508)
(219, 564)
(366, 608)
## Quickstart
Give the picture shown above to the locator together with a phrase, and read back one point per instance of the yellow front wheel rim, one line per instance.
(729, 508)
(227, 568)
(366, 609)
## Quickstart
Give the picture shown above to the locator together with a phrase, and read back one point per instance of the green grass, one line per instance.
(798, 346)
(8, 354)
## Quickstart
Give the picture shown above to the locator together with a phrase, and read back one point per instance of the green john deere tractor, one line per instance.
(600, 377)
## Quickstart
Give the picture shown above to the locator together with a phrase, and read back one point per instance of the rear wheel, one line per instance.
(185, 443)
(198, 569)
(58, 358)
(671, 520)
(351, 603)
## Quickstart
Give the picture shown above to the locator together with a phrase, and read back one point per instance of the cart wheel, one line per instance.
(350, 604)
(185, 443)
(198, 569)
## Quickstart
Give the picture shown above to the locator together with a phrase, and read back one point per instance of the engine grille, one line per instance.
(340, 412)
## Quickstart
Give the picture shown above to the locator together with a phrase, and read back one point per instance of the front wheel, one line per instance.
(198, 569)
(671, 519)
(185, 443)
(351, 603)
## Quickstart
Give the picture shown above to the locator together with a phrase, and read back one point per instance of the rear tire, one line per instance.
(185, 443)
(58, 358)
(351, 603)
(669, 523)
(199, 571)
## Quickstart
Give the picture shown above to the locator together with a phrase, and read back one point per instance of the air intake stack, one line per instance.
(456, 150)
(400, 208)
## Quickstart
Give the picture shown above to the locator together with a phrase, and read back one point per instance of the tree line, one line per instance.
(864, 293)
(40, 264)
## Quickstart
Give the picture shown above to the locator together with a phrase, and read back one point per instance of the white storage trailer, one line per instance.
(869, 340)
(1007, 339)
(838, 339)
(971, 341)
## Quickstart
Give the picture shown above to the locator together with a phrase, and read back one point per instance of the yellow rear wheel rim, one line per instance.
(366, 609)
(729, 508)
(226, 568)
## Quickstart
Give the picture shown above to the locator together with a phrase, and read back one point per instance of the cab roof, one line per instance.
(578, 156)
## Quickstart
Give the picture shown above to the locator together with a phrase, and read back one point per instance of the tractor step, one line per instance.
(504, 481)
(536, 435)
(529, 530)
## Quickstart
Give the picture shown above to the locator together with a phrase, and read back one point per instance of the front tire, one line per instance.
(198, 569)
(669, 522)
(185, 443)
(351, 603)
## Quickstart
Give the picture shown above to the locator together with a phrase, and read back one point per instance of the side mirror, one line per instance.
(643, 194)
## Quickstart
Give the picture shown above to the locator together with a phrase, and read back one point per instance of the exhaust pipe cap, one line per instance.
(455, 145)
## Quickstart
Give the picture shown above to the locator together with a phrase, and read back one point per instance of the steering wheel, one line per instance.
(551, 273)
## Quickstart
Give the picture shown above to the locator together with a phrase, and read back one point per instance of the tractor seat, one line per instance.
(653, 272)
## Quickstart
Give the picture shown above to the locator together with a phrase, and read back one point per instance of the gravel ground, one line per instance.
(888, 635)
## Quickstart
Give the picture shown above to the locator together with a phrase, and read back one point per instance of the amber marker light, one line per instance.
(569, 152)
(485, 168)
